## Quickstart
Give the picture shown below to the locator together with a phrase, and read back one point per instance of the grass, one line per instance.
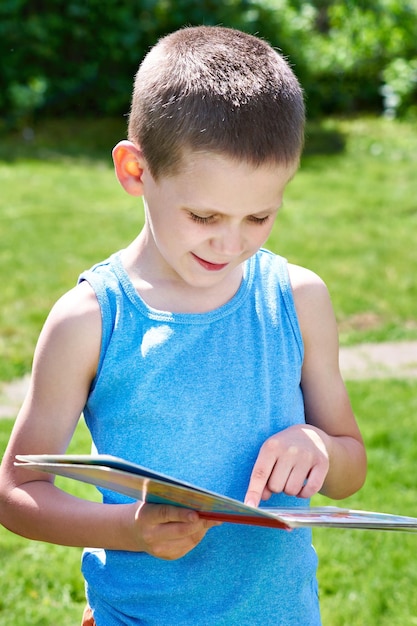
(59, 214)
(41, 584)
(350, 215)
(366, 578)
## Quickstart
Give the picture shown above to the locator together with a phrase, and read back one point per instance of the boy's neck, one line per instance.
(166, 291)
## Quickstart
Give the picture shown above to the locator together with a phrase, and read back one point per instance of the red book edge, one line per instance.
(252, 520)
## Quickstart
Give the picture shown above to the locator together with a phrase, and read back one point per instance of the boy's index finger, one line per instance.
(252, 498)
(259, 480)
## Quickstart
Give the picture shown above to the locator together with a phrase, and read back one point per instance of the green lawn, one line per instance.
(350, 214)
(41, 584)
(366, 578)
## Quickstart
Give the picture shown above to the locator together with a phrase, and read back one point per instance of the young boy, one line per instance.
(197, 353)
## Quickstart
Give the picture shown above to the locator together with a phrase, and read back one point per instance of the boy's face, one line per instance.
(210, 217)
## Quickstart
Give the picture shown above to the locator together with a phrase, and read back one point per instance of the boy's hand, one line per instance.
(295, 461)
(168, 532)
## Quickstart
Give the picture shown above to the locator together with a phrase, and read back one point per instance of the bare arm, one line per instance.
(65, 363)
(326, 400)
(327, 453)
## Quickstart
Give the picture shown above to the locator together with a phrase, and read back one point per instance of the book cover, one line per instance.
(141, 483)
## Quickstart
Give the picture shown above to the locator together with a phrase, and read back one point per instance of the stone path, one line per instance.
(12, 395)
(365, 361)
(379, 360)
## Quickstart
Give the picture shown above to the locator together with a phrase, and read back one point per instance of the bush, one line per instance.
(79, 57)
(354, 55)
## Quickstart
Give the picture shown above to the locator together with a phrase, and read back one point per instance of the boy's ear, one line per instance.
(129, 163)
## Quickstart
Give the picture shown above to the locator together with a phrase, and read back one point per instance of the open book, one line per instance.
(143, 484)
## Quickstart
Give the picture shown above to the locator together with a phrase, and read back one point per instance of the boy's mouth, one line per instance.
(211, 267)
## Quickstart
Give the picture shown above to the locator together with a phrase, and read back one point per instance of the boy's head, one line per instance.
(215, 89)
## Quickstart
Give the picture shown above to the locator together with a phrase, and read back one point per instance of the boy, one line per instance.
(197, 353)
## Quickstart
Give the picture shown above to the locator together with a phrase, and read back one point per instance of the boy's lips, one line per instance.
(211, 267)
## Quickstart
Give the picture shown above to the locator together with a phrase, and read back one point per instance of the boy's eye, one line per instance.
(200, 219)
(259, 220)
(211, 218)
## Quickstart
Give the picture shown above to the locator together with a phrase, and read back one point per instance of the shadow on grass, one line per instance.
(323, 141)
(93, 139)
(63, 139)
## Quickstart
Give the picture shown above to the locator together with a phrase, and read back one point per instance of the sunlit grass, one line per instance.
(350, 214)
(366, 578)
(41, 584)
(352, 217)
(59, 215)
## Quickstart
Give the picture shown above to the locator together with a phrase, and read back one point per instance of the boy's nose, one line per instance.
(229, 241)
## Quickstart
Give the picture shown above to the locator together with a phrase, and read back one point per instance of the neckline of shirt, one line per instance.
(184, 318)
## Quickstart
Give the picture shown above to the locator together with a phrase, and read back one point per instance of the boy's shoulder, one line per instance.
(312, 300)
(303, 279)
(78, 302)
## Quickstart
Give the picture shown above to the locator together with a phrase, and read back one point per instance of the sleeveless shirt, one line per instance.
(195, 396)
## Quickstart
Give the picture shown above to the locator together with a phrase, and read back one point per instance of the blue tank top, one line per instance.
(195, 396)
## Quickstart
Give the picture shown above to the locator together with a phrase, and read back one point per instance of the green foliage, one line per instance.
(85, 54)
(77, 57)
(357, 43)
(400, 85)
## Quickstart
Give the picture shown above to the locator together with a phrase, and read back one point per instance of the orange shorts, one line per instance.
(88, 619)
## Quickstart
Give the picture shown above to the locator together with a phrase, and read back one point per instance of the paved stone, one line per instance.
(12, 395)
(379, 360)
(365, 361)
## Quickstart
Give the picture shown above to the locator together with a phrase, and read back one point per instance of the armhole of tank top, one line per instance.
(108, 316)
(288, 298)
